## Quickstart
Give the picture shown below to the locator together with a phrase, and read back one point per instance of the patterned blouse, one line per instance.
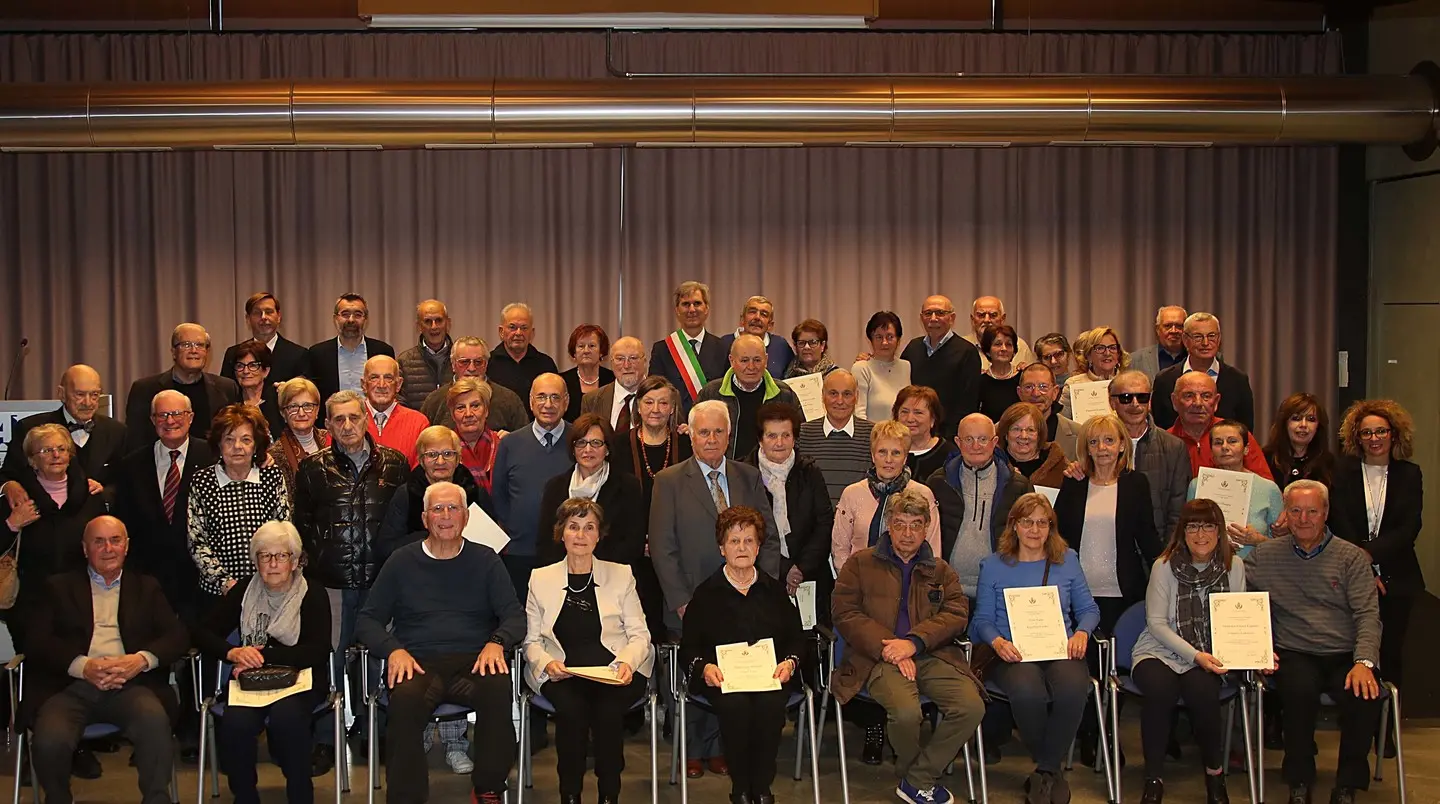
(225, 513)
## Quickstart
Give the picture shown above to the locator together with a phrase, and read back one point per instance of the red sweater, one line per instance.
(403, 428)
(1200, 454)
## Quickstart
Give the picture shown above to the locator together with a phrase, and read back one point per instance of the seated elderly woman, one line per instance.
(739, 603)
(300, 405)
(468, 402)
(593, 478)
(231, 500)
(273, 618)
(1171, 658)
(1046, 697)
(1229, 442)
(1025, 440)
(584, 613)
(900, 608)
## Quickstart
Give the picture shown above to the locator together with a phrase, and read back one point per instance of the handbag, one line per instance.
(269, 677)
(10, 574)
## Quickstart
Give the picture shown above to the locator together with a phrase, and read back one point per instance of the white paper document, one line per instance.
(747, 668)
(1240, 635)
(1050, 493)
(602, 674)
(1089, 399)
(239, 697)
(1036, 625)
(481, 529)
(1230, 490)
(809, 389)
(804, 600)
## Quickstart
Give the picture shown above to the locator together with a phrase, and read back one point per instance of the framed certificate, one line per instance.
(1089, 399)
(1036, 625)
(1230, 490)
(808, 389)
(747, 668)
(1240, 634)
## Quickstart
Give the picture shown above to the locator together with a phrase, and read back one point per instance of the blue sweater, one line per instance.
(522, 468)
(989, 619)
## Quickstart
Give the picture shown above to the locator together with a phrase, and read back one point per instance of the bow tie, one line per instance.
(86, 426)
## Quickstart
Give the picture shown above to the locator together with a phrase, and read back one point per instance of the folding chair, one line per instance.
(1389, 728)
(528, 697)
(15, 669)
(804, 700)
(214, 704)
(1122, 643)
(377, 696)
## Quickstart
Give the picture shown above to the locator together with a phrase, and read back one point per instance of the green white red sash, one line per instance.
(687, 361)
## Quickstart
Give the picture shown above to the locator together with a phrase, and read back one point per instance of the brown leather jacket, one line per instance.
(866, 606)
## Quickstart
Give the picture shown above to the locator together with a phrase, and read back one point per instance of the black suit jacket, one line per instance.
(1236, 400)
(1394, 547)
(714, 361)
(159, 548)
(64, 625)
(288, 360)
(1136, 543)
(98, 457)
(325, 363)
(219, 392)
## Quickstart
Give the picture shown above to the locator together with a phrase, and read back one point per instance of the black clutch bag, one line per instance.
(269, 677)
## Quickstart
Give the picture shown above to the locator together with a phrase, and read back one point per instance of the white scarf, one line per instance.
(774, 476)
(589, 487)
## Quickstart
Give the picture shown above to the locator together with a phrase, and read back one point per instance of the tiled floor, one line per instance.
(867, 784)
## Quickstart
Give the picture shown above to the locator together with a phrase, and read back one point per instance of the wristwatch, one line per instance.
(1369, 665)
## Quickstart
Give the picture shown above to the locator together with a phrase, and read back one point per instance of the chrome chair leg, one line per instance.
(799, 741)
(654, 749)
(984, 778)
(1399, 749)
(844, 760)
(1249, 744)
(20, 749)
(680, 738)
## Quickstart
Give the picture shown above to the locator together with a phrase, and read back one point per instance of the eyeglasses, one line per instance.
(1126, 399)
(469, 362)
(1207, 337)
(912, 527)
(301, 407)
(625, 360)
(439, 509)
(273, 558)
(1106, 348)
(1033, 524)
(1378, 432)
(245, 368)
(554, 398)
(592, 443)
(49, 451)
(1032, 387)
(353, 315)
(171, 415)
(1208, 528)
(188, 345)
(974, 441)
(808, 343)
(1023, 431)
(936, 313)
(440, 455)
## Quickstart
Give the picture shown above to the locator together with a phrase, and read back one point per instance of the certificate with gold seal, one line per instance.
(746, 667)
(1240, 635)
(1036, 625)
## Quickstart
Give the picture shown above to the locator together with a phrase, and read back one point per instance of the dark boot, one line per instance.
(1215, 792)
(1299, 794)
(570, 799)
(741, 798)
(1154, 792)
(1342, 795)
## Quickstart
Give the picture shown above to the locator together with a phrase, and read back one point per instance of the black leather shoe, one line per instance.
(1154, 792)
(741, 798)
(609, 798)
(85, 765)
(1060, 790)
(1299, 794)
(322, 759)
(874, 745)
(575, 799)
(1215, 792)
(992, 753)
(1342, 795)
(764, 798)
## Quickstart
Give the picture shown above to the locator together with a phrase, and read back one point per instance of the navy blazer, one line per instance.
(714, 361)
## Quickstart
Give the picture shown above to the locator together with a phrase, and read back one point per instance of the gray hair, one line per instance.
(436, 433)
(1306, 485)
(1196, 318)
(709, 406)
(169, 392)
(470, 340)
(175, 333)
(1162, 310)
(687, 288)
(294, 387)
(513, 306)
(1133, 374)
(341, 398)
(908, 501)
(273, 534)
(40, 433)
(443, 485)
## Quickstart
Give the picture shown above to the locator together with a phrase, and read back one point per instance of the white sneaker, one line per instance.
(459, 761)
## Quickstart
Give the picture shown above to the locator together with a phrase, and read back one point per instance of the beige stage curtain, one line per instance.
(104, 253)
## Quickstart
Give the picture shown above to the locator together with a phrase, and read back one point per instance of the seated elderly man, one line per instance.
(899, 609)
(1325, 610)
(445, 647)
(102, 654)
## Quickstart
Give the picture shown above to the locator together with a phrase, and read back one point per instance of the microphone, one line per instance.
(15, 364)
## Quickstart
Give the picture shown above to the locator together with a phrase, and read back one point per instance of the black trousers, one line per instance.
(135, 708)
(750, 726)
(586, 709)
(1395, 621)
(448, 679)
(287, 727)
(1301, 678)
(1164, 688)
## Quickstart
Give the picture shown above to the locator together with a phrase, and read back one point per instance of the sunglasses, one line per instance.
(1128, 399)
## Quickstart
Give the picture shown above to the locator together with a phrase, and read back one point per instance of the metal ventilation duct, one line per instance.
(960, 111)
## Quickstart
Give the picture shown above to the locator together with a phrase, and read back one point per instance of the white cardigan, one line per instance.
(623, 631)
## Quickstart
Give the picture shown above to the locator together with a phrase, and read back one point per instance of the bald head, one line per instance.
(381, 381)
(1195, 399)
(976, 438)
(937, 315)
(627, 355)
(747, 359)
(105, 543)
(80, 391)
(986, 312)
(839, 392)
(548, 399)
(433, 321)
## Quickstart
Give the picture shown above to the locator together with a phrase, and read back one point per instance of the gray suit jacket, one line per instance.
(1147, 360)
(1067, 434)
(1165, 462)
(682, 528)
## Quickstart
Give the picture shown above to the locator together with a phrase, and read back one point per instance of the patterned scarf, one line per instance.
(882, 489)
(265, 614)
(774, 475)
(822, 367)
(1192, 599)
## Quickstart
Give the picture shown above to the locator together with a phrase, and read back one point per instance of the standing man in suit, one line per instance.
(690, 357)
(99, 439)
(1169, 347)
(101, 652)
(616, 400)
(288, 359)
(1038, 387)
(339, 364)
(208, 393)
(426, 365)
(946, 363)
(152, 499)
(470, 357)
(515, 363)
(758, 318)
(1202, 343)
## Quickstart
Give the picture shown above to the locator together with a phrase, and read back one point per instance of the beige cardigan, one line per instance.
(857, 507)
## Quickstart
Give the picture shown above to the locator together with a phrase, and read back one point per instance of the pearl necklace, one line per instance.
(741, 586)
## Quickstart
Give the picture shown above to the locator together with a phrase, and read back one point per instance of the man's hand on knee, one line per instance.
(401, 666)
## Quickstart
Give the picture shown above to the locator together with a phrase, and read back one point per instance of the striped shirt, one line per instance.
(1324, 604)
(842, 458)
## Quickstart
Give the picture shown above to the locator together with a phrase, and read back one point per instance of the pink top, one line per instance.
(857, 508)
(59, 490)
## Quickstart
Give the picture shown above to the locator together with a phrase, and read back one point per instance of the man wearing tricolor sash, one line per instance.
(690, 357)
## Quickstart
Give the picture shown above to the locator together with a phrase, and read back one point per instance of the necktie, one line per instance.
(717, 492)
(549, 440)
(172, 485)
(695, 344)
(622, 423)
(380, 421)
